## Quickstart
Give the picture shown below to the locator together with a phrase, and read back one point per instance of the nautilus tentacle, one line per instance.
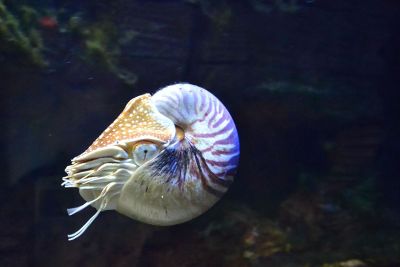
(166, 159)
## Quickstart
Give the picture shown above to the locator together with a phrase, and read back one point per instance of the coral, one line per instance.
(100, 46)
(28, 15)
(18, 35)
(97, 44)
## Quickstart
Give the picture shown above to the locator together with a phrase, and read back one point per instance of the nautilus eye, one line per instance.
(166, 158)
(144, 152)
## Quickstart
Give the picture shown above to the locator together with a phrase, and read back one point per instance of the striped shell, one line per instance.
(166, 159)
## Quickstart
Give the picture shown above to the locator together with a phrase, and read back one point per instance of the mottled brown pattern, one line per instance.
(138, 119)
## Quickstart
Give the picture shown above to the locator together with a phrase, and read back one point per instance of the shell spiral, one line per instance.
(166, 159)
(207, 125)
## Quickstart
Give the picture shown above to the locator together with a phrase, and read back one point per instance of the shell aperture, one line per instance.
(166, 159)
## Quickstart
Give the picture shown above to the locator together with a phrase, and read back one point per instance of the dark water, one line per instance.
(312, 87)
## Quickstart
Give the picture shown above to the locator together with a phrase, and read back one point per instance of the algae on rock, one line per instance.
(18, 35)
(100, 47)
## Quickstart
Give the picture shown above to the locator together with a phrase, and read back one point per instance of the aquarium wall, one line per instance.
(311, 85)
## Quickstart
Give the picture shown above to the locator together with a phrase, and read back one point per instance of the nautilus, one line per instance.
(166, 159)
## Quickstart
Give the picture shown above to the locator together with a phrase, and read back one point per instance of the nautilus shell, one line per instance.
(166, 159)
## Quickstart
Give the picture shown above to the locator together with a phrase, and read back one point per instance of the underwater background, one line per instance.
(311, 84)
